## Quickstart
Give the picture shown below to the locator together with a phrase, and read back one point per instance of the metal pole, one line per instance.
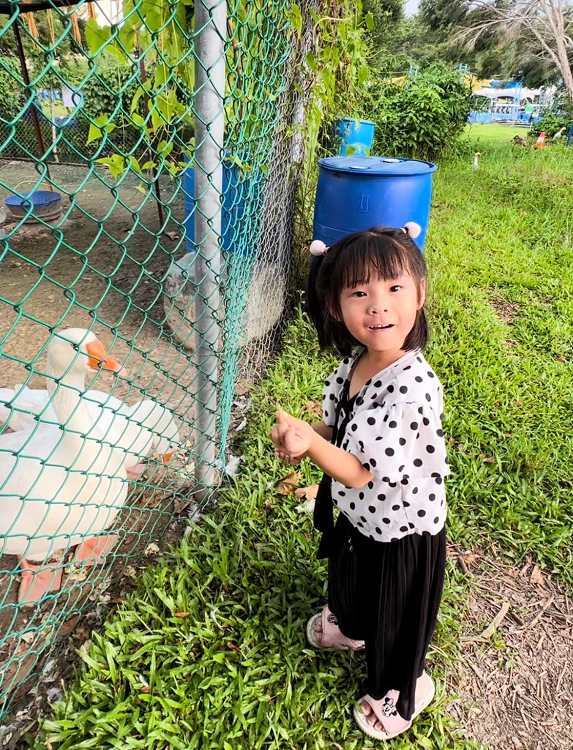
(26, 77)
(210, 23)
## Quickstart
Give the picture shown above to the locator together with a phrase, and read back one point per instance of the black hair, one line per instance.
(387, 252)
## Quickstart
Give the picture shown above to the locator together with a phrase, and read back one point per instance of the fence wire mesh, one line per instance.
(124, 329)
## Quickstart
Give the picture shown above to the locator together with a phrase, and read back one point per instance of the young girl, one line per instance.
(382, 450)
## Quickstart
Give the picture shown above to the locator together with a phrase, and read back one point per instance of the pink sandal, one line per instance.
(385, 710)
(332, 636)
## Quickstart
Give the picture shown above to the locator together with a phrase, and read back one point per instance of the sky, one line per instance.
(411, 7)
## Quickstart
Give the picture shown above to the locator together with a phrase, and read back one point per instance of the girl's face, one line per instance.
(381, 313)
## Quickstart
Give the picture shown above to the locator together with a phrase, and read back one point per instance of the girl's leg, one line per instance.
(405, 585)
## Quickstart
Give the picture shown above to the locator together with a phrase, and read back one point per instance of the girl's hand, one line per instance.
(292, 437)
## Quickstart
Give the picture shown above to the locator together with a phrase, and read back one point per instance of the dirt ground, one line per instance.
(515, 676)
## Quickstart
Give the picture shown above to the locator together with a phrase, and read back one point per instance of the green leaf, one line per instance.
(295, 17)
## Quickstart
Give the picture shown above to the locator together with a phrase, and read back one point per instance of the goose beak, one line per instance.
(166, 457)
(98, 357)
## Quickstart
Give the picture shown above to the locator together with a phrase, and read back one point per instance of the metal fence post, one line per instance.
(210, 23)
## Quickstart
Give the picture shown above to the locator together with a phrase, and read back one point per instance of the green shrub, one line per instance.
(550, 123)
(421, 116)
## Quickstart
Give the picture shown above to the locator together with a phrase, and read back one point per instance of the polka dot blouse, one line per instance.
(395, 429)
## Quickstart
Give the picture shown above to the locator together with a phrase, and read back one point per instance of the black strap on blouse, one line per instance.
(323, 517)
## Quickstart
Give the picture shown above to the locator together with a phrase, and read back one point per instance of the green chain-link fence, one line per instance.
(149, 170)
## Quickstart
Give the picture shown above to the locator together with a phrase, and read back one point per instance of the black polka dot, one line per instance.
(352, 506)
(381, 496)
(430, 449)
(393, 424)
(405, 503)
(403, 389)
(392, 484)
(389, 451)
(395, 507)
(402, 441)
(346, 360)
(420, 409)
(426, 421)
(418, 359)
(411, 525)
(379, 437)
(403, 529)
(422, 513)
(342, 493)
(372, 509)
(404, 480)
(418, 462)
(431, 497)
(408, 367)
(391, 389)
(413, 425)
(331, 397)
(371, 421)
(438, 480)
(386, 520)
(359, 401)
(431, 374)
(414, 490)
(363, 519)
(442, 415)
(339, 380)
(436, 519)
(378, 531)
(394, 539)
(373, 462)
(366, 465)
(401, 468)
(428, 397)
(327, 382)
(385, 479)
(370, 485)
(368, 382)
(361, 495)
(377, 384)
(440, 433)
(325, 413)
(354, 427)
(385, 417)
(361, 446)
(418, 379)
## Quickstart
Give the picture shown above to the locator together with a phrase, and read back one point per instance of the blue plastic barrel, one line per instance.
(356, 193)
(240, 191)
(356, 136)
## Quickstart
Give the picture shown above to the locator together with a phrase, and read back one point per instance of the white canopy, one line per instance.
(511, 93)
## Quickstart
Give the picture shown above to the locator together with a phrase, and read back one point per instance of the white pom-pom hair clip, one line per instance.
(412, 229)
(317, 247)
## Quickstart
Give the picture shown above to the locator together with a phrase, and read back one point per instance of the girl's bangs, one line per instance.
(366, 259)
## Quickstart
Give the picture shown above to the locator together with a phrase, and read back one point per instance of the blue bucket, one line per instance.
(239, 192)
(356, 193)
(44, 204)
(356, 137)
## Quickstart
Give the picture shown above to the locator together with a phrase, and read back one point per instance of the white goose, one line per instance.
(140, 430)
(60, 487)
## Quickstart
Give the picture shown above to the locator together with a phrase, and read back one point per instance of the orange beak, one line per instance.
(98, 357)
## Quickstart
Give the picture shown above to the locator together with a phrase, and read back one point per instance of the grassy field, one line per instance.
(209, 652)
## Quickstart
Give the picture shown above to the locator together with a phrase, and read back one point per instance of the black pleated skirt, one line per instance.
(388, 594)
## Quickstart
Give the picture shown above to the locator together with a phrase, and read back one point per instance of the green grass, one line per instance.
(235, 672)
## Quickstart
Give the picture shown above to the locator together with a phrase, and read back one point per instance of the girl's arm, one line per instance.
(323, 430)
(337, 463)
(297, 439)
